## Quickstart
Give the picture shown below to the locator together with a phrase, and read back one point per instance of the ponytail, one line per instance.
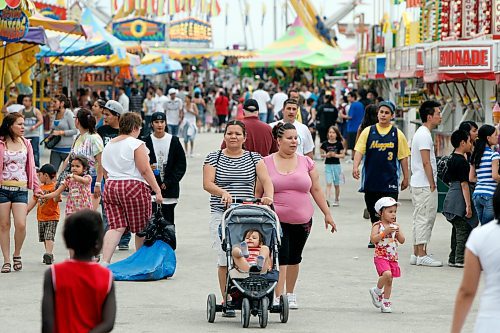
(481, 143)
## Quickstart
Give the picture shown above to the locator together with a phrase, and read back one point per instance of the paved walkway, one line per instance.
(332, 288)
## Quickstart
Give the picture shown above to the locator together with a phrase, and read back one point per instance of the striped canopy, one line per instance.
(297, 48)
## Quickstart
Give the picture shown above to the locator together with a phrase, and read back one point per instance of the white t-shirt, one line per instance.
(306, 143)
(278, 100)
(159, 100)
(484, 242)
(422, 140)
(118, 160)
(124, 101)
(262, 98)
(172, 108)
(162, 148)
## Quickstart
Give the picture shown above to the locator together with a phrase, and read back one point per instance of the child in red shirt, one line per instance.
(78, 294)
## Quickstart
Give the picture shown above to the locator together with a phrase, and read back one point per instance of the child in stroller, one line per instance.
(252, 255)
(250, 283)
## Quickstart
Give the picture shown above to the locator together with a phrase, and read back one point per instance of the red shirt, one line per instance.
(80, 289)
(222, 106)
(259, 137)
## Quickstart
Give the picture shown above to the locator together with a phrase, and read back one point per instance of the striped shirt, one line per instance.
(235, 175)
(486, 185)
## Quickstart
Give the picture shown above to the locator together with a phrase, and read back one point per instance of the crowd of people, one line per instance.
(126, 155)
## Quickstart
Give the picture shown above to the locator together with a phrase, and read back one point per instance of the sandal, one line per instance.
(18, 264)
(6, 268)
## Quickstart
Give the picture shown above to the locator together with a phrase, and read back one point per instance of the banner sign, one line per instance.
(51, 11)
(465, 58)
(14, 24)
(190, 30)
(139, 30)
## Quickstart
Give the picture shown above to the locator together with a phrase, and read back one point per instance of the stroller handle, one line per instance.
(246, 200)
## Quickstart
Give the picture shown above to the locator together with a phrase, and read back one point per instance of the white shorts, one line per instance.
(215, 221)
(424, 213)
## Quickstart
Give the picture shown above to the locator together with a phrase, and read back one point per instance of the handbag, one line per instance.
(159, 228)
(51, 141)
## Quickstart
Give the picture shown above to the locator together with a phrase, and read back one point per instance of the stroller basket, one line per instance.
(255, 286)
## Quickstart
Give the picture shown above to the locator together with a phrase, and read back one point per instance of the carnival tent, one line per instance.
(100, 61)
(65, 26)
(70, 45)
(166, 66)
(297, 48)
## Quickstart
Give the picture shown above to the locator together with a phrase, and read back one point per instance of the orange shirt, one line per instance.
(48, 210)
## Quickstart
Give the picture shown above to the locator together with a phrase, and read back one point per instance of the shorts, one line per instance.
(333, 173)
(351, 139)
(215, 221)
(127, 204)
(13, 196)
(292, 242)
(383, 265)
(222, 119)
(47, 230)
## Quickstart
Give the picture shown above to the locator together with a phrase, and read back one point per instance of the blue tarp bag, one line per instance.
(149, 263)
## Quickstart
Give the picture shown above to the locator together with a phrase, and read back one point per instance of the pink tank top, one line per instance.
(292, 199)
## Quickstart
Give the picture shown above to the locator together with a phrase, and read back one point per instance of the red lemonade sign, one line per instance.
(14, 24)
(467, 58)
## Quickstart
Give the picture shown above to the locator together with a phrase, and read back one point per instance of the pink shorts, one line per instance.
(382, 265)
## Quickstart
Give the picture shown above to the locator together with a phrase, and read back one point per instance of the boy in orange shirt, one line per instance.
(47, 212)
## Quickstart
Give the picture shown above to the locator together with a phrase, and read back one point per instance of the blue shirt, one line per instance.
(486, 185)
(356, 112)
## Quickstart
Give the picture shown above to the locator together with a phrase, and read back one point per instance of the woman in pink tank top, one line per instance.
(294, 179)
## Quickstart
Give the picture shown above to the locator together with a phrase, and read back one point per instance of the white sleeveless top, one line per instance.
(118, 160)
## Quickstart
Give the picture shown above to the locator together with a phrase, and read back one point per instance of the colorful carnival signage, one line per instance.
(190, 30)
(51, 11)
(469, 18)
(465, 58)
(496, 19)
(139, 29)
(14, 24)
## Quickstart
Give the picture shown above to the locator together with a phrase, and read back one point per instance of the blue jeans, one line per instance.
(35, 143)
(484, 208)
(173, 129)
(263, 117)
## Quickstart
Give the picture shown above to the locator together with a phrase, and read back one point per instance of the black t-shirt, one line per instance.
(335, 147)
(458, 168)
(107, 133)
(326, 115)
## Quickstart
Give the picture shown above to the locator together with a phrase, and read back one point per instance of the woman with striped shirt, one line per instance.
(228, 174)
(485, 162)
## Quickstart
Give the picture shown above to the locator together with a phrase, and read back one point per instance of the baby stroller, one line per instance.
(250, 292)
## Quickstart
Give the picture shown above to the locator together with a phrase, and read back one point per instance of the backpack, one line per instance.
(442, 169)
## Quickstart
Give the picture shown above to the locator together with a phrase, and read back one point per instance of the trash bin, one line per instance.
(442, 189)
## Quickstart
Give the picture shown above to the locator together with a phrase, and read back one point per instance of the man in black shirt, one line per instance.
(457, 206)
(326, 116)
(112, 112)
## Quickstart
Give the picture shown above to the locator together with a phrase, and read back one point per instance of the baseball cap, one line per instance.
(48, 169)
(388, 104)
(172, 91)
(114, 106)
(158, 116)
(385, 202)
(251, 105)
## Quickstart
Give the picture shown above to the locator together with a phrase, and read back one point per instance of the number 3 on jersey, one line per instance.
(390, 156)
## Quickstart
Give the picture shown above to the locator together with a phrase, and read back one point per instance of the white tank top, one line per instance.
(118, 160)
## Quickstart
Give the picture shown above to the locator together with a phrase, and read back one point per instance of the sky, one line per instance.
(260, 32)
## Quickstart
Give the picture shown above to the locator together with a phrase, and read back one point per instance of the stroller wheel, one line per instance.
(264, 312)
(245, 313)
(211, 308)
(284, 308)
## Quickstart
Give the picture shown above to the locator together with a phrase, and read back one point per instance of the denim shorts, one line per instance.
(20, 196)
(333, 173)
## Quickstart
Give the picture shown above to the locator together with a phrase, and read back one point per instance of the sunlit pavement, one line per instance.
(332, 291)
